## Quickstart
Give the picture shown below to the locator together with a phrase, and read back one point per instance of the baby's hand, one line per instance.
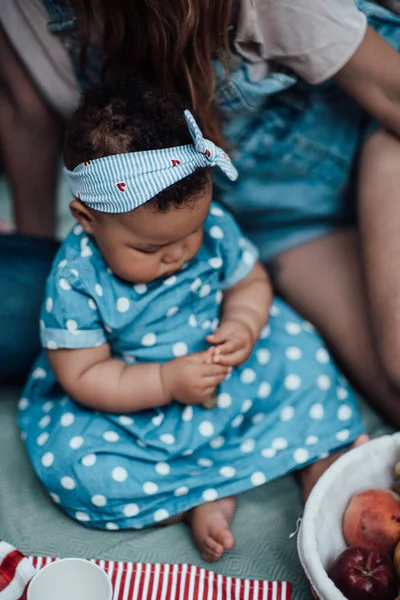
(192, 379)
(233, 341)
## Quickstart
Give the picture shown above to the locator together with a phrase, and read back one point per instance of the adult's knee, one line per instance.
(381, 152)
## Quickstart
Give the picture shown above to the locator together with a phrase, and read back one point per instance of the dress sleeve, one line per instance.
(314, 38)
(69, 317)
(238, 254)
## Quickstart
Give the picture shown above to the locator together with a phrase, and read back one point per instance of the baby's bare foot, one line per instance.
(309, 476)
(210, 525)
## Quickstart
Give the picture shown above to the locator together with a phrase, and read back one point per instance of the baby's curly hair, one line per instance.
(132, 116)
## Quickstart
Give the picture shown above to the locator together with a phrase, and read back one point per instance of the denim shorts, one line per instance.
(295, 145)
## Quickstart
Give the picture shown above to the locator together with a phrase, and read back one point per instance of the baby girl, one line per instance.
(156, 308)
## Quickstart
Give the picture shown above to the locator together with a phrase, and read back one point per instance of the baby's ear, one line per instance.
(82, 214)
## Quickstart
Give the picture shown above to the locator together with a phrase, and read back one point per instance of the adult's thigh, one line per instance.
(323, 280)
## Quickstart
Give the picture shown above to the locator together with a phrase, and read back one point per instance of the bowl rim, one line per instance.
(307, 541)
(38, 576)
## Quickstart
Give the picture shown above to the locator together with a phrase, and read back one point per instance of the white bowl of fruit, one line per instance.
(349, 539)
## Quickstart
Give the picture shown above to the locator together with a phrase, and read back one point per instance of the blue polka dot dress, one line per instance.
(286, 407)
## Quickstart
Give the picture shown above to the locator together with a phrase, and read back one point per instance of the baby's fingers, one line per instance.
(217, 337)
(214, 380)
(214, 370)
(228, 347)
(231, 360)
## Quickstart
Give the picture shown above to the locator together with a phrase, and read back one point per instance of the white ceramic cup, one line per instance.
(70, 579)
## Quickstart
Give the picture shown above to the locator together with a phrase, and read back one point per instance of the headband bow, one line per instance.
(123, 182)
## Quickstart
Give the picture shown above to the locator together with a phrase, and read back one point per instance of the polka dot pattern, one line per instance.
(125, 420)
(344, 412)
(170, 281)
(68, 483)
(248, 376)
(67, 419)
(82, 516)
(237, 421)
(150, 488)
(157, 420)
(140, 288)
(247, 446)
(76, 442)
(280, 443)
(224, 400)
(210, 495)
(258, 478)
(162, 468)
(49, 305)
(44, 421)
(292, 382)
(161, 515)
(324, 382)
(119, 474)
(179, 349)
(167, 438)
(216, 262)
(287, 413)
(293, 328)
(99, 500)
(23, 404)
(293, 353)
(264, 390)
(131, 510)
(216, 232)
(206, 429)
(263, 356)
(123, 305)
(217, 442)
(317, 411)
(181, 491)
(47, 459)
(42, 438)
(281, 409)
(89, 460)
(111, 436)
(301, 455)
(227, 472)
(149, 339)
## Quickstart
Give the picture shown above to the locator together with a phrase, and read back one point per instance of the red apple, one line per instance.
(364, 574)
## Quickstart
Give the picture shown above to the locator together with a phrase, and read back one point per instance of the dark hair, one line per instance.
(170, 42)
(132, 116)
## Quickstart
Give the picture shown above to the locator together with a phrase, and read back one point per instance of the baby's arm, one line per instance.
(245, 313)
(372, 77)
(96, 380)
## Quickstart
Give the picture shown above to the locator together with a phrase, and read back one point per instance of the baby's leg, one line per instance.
(210, 525)
(309, 476)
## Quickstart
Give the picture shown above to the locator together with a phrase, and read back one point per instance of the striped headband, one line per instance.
(123, 182)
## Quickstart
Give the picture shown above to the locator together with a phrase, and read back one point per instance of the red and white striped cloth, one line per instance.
(139, 581)
(16, 570)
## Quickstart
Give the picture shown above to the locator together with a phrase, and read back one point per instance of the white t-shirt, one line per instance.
(314, 38)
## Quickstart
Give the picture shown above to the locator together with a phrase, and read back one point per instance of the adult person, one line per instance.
(299, 137)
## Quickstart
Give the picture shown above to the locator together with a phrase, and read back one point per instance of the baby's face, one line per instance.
(146, 244)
